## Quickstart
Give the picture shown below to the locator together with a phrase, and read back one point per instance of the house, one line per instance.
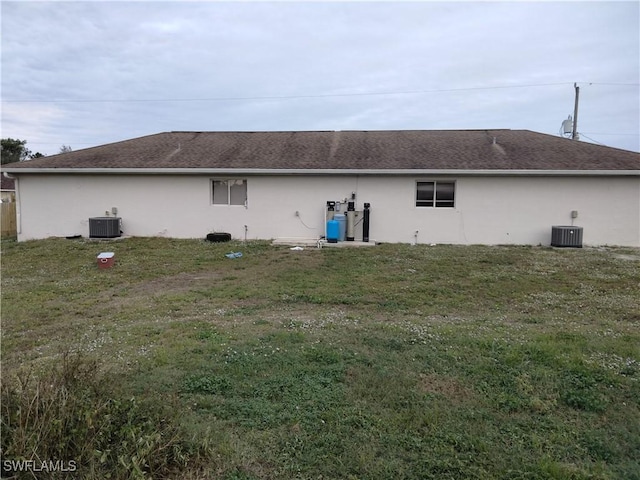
(7, 190)
(456, 187)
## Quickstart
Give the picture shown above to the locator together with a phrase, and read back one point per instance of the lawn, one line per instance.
(389, 362)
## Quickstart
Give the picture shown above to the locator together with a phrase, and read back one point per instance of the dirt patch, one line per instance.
(447, 387)
(622, 256)
(182, 282)
(170, 284)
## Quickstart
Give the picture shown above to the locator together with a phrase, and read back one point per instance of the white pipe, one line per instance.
(325, 222)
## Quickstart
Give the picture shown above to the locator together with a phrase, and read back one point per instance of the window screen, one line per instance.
(229, 192)
(237, 192)
(435, 194)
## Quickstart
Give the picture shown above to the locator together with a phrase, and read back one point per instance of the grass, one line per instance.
(388, 362)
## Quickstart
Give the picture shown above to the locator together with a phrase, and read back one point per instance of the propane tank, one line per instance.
(351, 217)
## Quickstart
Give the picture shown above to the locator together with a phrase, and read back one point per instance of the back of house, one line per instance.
(420, 186)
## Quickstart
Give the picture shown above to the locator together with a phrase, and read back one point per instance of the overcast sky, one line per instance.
(88, 73)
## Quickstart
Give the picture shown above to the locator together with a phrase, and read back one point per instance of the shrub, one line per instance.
(68, 415)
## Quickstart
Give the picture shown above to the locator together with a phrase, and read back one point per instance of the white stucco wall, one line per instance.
(489, 210)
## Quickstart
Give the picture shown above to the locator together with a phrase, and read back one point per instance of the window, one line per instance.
(229, 192)
(435, 194)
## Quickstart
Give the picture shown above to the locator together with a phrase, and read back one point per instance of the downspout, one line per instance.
(16, 185)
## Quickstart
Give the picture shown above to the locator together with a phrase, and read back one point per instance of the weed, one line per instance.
(67, 414)
(582, 389)
(209, 384)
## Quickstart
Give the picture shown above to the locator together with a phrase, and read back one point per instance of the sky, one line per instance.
(82, 74)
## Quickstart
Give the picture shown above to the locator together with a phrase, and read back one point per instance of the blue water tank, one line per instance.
(341, 218)
(333, 231)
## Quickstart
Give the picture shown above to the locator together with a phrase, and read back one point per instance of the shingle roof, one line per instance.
(360, 150)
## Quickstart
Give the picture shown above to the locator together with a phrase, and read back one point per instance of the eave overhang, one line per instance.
(317, 172)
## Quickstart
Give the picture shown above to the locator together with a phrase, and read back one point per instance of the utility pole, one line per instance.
(574, 134)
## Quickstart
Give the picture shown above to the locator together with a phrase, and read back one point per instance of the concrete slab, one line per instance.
(312, 242)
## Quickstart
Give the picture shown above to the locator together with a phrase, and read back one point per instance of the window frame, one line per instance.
(230, 182)
(435, 202)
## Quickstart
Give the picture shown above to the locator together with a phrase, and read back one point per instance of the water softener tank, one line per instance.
(331, 207)
(341, 218)
(333, 231)
(351, 218)
(366, 220)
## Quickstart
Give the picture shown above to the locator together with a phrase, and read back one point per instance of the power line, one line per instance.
(58, 143)
(288, 97)
(324, 95)
(594, 141)
(625, 134)
(614, 84)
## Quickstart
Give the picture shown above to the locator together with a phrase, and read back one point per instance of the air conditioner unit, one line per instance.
(104, 227)
(564, 236)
